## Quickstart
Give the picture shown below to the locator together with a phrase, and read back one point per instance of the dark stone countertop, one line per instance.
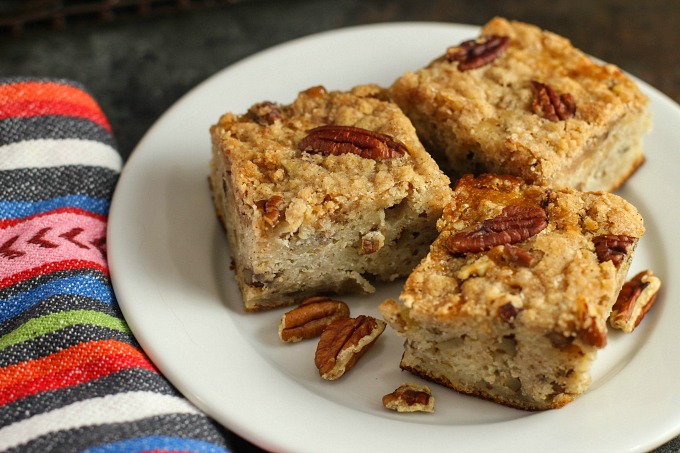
(137, 67)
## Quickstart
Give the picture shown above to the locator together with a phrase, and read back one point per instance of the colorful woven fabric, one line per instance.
(72, 377)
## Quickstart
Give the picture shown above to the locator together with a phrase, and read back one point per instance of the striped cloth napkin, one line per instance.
(72, 376)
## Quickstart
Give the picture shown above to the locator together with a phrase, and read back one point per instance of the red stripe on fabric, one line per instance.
(5, 223)
(46, 90)
(52, 267)
(32, 107)
(76, 355)
(69, 377)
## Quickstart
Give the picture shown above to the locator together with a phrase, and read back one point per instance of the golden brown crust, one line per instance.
(623, 177)
(269, 162)
(483, 119)
(566, 245)
(301, 221)
(517, 323)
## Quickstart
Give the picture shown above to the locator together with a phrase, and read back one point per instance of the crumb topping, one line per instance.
(492, 106)
(262, 149)
(564, 285)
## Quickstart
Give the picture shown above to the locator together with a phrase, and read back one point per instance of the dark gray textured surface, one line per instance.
(137, 68)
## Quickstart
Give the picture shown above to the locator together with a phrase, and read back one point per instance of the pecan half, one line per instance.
(552, 106)
(343, 342)
(635, 299)
(477, 53)
(310, 318)
(514, 224)
(265, 113)
(410, 397)
(272, 208)
(337, 140)
(612, 247)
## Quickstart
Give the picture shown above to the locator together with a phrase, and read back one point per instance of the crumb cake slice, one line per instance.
(522, 101)
(511, 303)
(323, 195)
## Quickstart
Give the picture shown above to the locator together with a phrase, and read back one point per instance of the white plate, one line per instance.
(170, 270)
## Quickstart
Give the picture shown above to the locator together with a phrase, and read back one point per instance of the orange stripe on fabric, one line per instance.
(100, 367)
(63, 360)
(46, 91)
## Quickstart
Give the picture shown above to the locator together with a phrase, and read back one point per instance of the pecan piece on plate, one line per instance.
(514, 224)
(478, 52)
(343, 342)
(554, 107)
(310, 318)
(272, 208)
(410, 397)
(635, 299)
(265, 113)
(612, 247)
(337, 140)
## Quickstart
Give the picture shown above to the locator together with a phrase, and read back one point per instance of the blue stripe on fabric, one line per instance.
(82, 285)
(19, 209)
(157, 443)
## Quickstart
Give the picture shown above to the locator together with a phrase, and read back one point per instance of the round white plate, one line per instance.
(170, 269)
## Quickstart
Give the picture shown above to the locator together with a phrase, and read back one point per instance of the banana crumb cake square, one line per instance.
(323, 195)
(511, 303)
(523, 101)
